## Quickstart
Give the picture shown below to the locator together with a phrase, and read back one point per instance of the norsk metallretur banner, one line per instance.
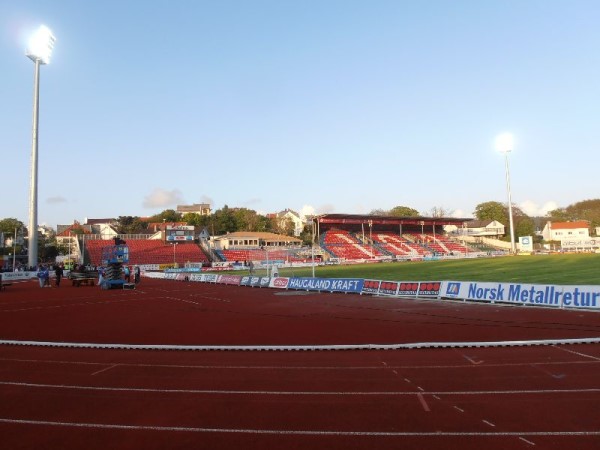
(526, 294)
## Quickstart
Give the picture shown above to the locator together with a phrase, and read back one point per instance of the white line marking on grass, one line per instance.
(294, 432)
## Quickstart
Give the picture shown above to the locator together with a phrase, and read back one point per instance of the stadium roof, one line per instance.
(357, 219)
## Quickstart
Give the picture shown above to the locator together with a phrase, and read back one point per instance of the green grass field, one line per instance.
(580, 269)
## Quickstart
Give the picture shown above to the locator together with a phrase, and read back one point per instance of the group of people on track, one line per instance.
(43, 274)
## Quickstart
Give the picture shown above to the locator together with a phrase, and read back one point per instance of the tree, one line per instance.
(492, 211)
(439, 211)
(7, 230)
(307, 234)
(585, 210)
(404, 211)
(224, 221)
(559, 215)
(524, 226)
(131, 225)
(168, 215)
(8, 226)
(396, 211)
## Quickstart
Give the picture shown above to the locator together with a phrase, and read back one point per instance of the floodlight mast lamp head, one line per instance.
(505, 142)
(41, 45)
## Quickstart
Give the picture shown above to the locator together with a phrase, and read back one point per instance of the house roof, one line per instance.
(99, 221)
(569, 225)
(67, 230)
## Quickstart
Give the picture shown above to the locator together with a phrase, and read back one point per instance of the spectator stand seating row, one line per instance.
(145, 251)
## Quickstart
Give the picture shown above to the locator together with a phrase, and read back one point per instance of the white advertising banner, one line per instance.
(525, 243)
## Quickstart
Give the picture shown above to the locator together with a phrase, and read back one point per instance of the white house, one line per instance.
(557, 231)
(287, 214)
(478, 228)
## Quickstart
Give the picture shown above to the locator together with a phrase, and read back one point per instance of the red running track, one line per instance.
(467, 398)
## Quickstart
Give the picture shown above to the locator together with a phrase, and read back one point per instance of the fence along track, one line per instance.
(302, 348)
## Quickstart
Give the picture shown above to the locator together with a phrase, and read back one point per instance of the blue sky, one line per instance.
(318, 106)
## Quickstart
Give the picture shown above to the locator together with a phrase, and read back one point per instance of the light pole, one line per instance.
(15, 252)
(505, 144)
(174, 262)
(312, 248)
(39, 51)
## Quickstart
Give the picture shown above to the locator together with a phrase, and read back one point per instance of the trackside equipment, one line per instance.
(113, 258)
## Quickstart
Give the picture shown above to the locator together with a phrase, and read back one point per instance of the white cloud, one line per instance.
(57, 199)
(458, 213)
(207, 199)
(160, 198)
(309, 210)
(531, 208)
(252, 201)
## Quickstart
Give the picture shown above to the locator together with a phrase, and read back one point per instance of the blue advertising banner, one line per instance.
(327, 284)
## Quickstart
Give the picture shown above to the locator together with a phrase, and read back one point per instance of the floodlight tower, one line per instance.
(505, 144)
(39, 51)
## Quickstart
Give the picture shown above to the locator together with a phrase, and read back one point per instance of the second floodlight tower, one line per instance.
(505, 144)
(39, 51)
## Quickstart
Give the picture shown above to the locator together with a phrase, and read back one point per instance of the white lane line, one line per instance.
(423, 402)
(595, 358)
(295, 432)
(234, 367)
(488, 423)
(436, 397)
(420, 388)
(459, 409)
(105, 369)
(247, 392)
(557, 376)
(526, 441)
(472, 360)
(407, 380)
(395, 372)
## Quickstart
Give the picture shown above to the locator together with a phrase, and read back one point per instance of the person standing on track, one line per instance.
(100, 276)
(58, 273)
(43, 276)
(136, 274)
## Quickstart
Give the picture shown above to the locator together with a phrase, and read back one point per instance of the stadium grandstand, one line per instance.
(171, 244)
(339, 238)
(347, 237)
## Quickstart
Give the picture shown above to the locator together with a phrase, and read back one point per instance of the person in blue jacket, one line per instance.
(44, 276)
